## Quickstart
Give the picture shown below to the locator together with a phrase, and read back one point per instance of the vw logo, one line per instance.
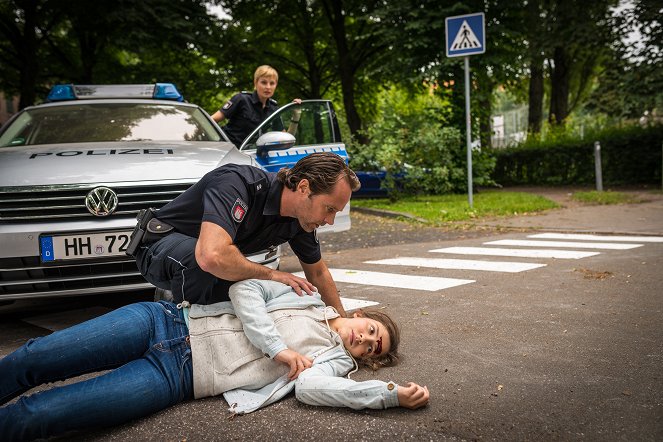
(101, 201)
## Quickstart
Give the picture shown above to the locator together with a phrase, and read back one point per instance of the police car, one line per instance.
(74, 172)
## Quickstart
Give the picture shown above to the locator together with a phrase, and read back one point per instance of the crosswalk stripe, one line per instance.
(459, 264)
(428, 283)
(568, 244)
(521, 253)
(587, 237)
(354, 304)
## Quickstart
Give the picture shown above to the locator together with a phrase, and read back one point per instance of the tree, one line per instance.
(104, 41)
(24, 27)
(534, 34)
(324, 43)
(646, 61)
(581, 35)
(299, 48)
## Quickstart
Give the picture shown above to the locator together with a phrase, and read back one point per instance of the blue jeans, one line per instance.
(146, 347)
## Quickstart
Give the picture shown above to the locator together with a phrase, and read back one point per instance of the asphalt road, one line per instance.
(572, 350)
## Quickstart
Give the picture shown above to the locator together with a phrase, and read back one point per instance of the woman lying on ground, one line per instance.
(254, 351)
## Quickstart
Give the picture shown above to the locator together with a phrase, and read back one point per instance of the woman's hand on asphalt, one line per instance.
(413, 396)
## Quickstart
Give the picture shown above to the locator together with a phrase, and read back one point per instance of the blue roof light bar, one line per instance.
(167, 91)
(159, 91)
(62, 92)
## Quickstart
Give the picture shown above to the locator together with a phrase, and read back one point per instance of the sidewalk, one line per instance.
(644, 218)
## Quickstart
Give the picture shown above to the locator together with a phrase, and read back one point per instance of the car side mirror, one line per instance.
(274, 141)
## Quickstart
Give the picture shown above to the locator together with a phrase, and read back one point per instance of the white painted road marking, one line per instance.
(354, 304)
(587, 237)
(521, 253)
(428, 283)
(568, 244)
(459, 264)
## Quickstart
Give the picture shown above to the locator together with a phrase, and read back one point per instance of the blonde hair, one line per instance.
(265, 71)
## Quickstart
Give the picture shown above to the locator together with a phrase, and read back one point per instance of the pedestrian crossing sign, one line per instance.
(465, 35)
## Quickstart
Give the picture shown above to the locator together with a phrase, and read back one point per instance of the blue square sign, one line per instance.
(466, 35)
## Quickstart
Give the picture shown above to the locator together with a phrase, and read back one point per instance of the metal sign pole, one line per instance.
(468, 131)
(465, 35)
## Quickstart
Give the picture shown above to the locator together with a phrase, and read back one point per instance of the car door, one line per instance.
(317, 131)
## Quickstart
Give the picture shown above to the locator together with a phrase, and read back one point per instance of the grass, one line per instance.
(607, 197)
(438, 209)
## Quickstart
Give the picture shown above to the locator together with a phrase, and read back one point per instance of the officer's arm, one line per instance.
(319, 275)
(218, 116)
(216, 254)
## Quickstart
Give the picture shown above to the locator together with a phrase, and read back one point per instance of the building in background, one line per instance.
(509, 127)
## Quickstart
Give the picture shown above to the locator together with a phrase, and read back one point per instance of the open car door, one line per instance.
(317, 131)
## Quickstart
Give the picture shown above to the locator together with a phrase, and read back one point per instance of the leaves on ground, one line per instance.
(593, 274)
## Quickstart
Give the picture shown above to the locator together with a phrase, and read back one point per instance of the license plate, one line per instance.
(82, 246)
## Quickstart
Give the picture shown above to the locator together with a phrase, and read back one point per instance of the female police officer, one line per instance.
(247, 110)
(240, 209)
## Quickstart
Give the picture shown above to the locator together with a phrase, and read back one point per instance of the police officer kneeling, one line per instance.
(236, 210)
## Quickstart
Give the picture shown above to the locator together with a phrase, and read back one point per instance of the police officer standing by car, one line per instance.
(246, 110)
(194, 246)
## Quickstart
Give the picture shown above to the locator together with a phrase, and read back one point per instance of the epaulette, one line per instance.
(247, 92)
(273, 101)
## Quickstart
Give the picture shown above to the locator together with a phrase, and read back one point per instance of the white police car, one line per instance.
(75, 172)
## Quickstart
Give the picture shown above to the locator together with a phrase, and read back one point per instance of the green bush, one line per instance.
(630, 155)
(421, 155)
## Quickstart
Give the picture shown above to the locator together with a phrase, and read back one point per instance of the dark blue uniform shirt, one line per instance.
(245, 201)
(244, 112)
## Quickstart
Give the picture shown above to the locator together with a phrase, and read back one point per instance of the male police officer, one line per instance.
(239, 209)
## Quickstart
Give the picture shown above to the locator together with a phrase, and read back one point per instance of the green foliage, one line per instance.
(603, 198)
(420, 153)
(132, 41)
(347, 50)
(438, 209)
(628, 155)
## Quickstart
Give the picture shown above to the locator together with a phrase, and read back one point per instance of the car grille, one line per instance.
(22, 278)
(68, 202)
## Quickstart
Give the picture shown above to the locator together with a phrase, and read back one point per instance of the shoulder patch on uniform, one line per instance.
(239, 210)
(227, 105)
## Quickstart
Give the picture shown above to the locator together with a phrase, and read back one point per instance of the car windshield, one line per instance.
(95, 122)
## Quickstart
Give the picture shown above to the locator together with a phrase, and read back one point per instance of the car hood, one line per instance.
(113, 162)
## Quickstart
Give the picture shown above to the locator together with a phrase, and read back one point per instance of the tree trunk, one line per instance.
(88, 53)
(484, 93)
(535, 111)
(559, 95)
(334, 13)
(304, 35)
(28, 56)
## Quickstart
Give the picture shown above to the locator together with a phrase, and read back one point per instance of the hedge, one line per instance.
(629, 155)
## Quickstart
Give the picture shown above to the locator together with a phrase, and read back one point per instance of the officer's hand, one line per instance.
(297, 101)
(298, 284)
(296, 361)
(413, 396)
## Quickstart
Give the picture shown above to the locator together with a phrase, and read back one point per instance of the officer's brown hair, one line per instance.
(322, 170)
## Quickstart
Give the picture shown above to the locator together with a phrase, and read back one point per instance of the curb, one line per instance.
(571, 230)
(387, 213)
